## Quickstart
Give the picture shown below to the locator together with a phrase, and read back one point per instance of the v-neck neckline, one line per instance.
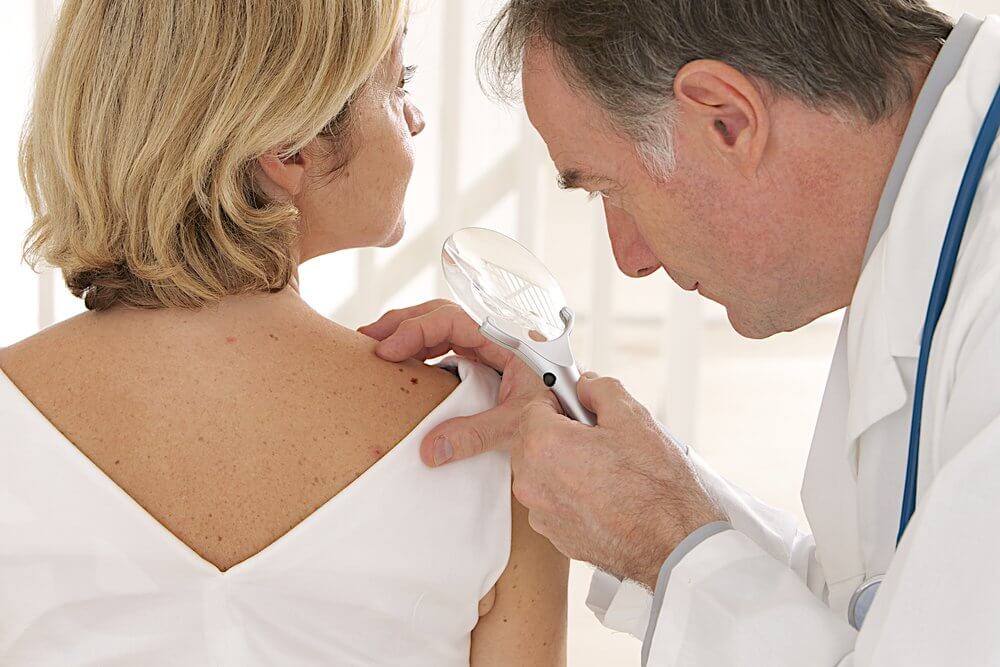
(97, 475)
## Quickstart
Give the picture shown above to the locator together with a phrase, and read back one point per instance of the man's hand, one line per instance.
(437, 327)
(621, 495)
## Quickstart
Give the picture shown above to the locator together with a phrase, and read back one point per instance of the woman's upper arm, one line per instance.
(526, 625)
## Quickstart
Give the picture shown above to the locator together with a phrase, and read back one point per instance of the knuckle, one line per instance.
(453, 311)
(549, 399)
(474, 440)
(529, 445)
(519, 488)
(408, 326)
(536, 444)
(391, 315)
(610, 384)
(537, 522)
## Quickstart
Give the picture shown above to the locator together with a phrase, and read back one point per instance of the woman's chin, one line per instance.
(395, 235)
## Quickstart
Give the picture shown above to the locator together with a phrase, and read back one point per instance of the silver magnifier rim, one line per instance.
(454, 267)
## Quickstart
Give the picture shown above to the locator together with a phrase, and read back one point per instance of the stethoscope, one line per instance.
(864, 596)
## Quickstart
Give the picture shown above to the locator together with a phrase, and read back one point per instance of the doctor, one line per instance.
(785, 159)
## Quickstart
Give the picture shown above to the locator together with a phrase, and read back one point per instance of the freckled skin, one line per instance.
(290, 425)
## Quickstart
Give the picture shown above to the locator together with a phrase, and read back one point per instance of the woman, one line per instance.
(201, 469)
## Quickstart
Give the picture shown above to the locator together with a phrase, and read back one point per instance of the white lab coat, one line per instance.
(767, 594)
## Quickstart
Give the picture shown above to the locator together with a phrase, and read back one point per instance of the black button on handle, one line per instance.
(549, 379)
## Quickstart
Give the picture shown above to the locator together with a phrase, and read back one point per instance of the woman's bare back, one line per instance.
(230, 425)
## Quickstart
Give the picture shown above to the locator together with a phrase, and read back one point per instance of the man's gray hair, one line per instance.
(844, 56)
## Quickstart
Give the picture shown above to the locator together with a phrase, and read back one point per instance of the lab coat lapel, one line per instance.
(831, 475)
(883, 327)
(865, 387)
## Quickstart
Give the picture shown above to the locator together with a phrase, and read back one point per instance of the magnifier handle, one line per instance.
(563, 380)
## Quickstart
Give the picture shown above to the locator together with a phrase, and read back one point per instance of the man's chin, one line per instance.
(751, 327)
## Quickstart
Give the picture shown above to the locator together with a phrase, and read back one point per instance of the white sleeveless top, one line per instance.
(388, 572)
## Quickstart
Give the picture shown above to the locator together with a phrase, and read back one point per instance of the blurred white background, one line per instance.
(747, 406)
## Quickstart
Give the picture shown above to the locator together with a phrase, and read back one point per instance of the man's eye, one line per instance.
(406, 76)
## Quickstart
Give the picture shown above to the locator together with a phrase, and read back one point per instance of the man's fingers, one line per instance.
(604, 396)
(389, 322)
(435, 352)
(445, 328)
(464, 437)
(520, 382)
(536, 418)
(445, 324)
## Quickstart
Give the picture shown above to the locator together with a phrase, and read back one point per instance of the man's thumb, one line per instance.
(464, 437)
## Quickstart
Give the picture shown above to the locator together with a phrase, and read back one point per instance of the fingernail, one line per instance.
(443, 451)
(590, 375)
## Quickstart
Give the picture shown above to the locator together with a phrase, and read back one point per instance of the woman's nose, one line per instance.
(414, 119)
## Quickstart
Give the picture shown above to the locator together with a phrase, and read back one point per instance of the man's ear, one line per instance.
(726, 108)
(282, 179)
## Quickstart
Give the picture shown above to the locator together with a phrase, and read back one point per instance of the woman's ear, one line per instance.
(281, 179)
(726, 109)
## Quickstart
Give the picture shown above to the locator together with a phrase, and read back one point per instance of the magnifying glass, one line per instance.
(518, 305)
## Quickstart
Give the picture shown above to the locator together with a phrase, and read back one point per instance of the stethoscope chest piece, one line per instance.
(861, 602)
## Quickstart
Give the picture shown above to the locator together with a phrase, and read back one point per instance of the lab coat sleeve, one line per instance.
(729, 602)
(736, 599)
(626, 606)
(774, 531)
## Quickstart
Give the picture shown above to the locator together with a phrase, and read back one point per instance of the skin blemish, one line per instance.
(377, 452)
(230, 339)
(414, 381)
(117, 461)
(400, 369)
(272, 336)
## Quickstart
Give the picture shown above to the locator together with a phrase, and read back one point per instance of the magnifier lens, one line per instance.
(493, 276)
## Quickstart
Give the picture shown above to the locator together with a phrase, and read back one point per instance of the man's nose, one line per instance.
(634, 257)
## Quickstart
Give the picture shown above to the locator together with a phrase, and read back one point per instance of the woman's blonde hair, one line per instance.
(138, 157)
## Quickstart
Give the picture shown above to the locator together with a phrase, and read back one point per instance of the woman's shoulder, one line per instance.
(45, 355)
(435, 381)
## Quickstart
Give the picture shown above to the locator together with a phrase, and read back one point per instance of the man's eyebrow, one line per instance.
(574, 179)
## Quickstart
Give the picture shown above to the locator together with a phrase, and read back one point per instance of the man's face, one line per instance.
(741, 240)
